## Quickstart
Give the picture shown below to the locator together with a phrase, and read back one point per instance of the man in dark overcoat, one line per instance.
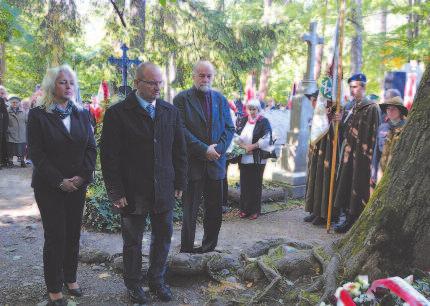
(208, 132)
(359, 126)
(144, 164)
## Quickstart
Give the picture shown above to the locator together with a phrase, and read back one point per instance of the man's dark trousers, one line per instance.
(212, 192)
(132, 227)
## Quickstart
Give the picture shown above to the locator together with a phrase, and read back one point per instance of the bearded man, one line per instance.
(208, 130)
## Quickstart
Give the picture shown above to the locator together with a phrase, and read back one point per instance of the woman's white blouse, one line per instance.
(66, 122)
(246, 138)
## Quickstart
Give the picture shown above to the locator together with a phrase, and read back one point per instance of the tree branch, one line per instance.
(120, 14)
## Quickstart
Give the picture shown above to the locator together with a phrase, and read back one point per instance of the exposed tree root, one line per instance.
(271, 275)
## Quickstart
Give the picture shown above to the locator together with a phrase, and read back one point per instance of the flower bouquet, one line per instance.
(234, 151)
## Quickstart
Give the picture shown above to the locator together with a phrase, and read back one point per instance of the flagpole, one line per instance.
(336, 124)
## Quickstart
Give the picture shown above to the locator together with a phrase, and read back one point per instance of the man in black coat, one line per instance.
(143, 158)
(208, 132)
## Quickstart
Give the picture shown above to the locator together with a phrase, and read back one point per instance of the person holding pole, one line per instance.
(359, 126)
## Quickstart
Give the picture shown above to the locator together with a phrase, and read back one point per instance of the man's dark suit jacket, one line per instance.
(57, 154)
(196, 133)
(143, 160)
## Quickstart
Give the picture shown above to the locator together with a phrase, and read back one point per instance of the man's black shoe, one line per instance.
(319, 221)
(343, 227)
(137, 295)
(197, 250)
(162, 291)
(309, 218)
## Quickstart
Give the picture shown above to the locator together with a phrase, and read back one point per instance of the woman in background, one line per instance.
(255, 135)
(16, 131)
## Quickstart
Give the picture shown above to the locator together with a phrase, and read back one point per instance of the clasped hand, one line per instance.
(211, 153)
(71, 184)
(248, 147)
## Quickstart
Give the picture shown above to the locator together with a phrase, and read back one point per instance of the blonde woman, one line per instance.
(62, 148)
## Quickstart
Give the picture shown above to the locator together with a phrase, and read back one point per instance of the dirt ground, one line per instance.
(21, 242)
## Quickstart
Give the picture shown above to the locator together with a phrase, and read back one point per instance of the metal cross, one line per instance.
(123, 63)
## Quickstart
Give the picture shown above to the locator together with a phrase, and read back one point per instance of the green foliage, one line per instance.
(9, 27)
(98, 214)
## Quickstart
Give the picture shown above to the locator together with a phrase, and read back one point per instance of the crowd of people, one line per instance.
(368, 129)
(13, 129)
(152, 152)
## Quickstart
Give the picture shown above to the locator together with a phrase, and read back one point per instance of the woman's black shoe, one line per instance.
(75, 292)
(59, 302)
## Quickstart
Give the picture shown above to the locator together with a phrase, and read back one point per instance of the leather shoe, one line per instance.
(75, 292)
(343, 227)
(59, 302)
(162, 291)
(309, 218)
(318, 221)
(137, 295)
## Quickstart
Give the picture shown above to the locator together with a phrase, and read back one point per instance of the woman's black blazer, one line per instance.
(57, 154)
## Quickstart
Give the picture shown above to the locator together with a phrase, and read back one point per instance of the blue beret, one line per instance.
(358, 77)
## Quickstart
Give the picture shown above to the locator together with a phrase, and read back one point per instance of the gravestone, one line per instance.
(292, 166)
(280, 124)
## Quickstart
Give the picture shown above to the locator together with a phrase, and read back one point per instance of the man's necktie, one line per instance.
(151, 110)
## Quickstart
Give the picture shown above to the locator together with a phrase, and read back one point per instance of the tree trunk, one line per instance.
(357, 39)
(137, 12)
(2, 62)
(263, 86)
(392, 235)
(384, 14)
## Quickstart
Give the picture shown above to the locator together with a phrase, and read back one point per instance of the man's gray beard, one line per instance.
(204, 88)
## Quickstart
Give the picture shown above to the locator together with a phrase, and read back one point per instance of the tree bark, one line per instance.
(357, 39)
(138, 21)
(392, 235)
(2, 62)
(263, 86)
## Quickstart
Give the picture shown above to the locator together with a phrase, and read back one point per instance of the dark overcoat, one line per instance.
(57, 153)
(353, 182)
(143, 160)
(197, 138)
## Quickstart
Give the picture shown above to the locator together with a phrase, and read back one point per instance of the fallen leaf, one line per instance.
(104, 275)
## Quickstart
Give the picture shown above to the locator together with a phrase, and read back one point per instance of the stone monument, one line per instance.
(292, 165)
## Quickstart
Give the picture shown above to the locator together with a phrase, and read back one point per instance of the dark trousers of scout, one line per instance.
(212, 192)
(61, 214)
(251, 187)
(132, 227)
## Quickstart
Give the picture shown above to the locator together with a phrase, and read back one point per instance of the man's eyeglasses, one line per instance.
(152, 83)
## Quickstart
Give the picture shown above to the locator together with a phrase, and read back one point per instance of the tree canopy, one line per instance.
(238, 36)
